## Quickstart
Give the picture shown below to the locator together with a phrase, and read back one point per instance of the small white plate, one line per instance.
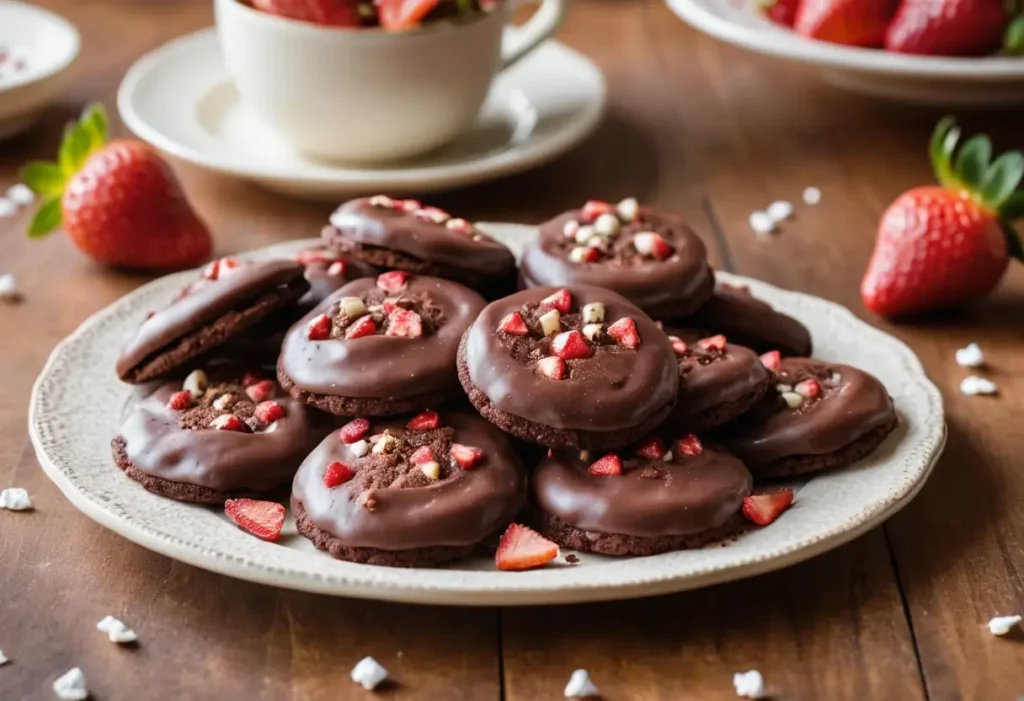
(180, 99)
(77, 403)
(921, 79)
(48, 45)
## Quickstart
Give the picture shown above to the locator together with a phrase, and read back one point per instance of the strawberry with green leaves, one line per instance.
(946, 245)
(119, 202)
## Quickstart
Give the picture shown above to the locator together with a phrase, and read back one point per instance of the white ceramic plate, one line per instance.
(922, 79)
(77, 402)
(48, 45)
(180, 99)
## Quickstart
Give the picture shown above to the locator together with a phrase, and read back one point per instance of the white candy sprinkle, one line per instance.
(3, 658)
(117, 631)
(607, 225)
(1001, 625)
(369, 673)
(15, 499)
(8, 208)
(628, 209)
(749, 685)
(780, 210)
(973, 385)
(360, 448)
(71, 686)
(812, 195)
(792, 399)
(580, 686)
(761, 222)
(970, 357)
(21, 194)
(9, 288)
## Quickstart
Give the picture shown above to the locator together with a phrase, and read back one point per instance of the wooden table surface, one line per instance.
(694, 126)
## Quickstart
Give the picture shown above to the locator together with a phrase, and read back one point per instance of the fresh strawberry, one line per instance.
(466, 456)
(426, 421)
(652, 448)
(268, 412)
(337, 13)
(120, 202)
(337, 474)
(397, 15)
(421, 455)
(624, 332)
(608, 466)
(319, 328)
(772, 360)
(363, 326)
(948, 27)
(762, 509)
(180, 401)
(780, 11)
(522, 548)
(392, 281)
(354, 430)
(263, 519)
(947, 245)
(850, 22)
(560, 300)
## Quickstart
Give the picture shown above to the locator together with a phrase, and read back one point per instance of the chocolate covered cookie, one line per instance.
(229, 298)
(405, 235)
(217, 436)
(743, 318)
(579, 368)
(328, 271)
(718, 381)
(408, 492)
(379, 347)
(819, 416)
(651, 258)
(668, 492)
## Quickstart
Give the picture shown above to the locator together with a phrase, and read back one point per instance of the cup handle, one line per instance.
(540, 26)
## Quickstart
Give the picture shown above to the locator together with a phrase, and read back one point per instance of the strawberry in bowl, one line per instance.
(394, 15)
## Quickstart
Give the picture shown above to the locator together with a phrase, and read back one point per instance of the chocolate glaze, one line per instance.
(202, 302)
(708, 378)
(663, 288)
(614, 389)
(322, 284)
(158, 445)
(650, 498)
(461, 508)
(747, 320)
(392, 227)
(383, 366)
(851, 405)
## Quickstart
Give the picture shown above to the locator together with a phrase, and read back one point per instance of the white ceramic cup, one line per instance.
(368, 95)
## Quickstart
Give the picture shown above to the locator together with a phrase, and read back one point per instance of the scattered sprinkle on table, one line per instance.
(780, 210)
(9, 288)
(812, 195)
(21, 195)
(71, 686)
(117, 631)
(1002, 625)
(369, 673)
(8, 208)
(970, 357)
(973, 385)
(3, 658)
(749, 685)
(15, 499)
(761, 222)
(580, 686)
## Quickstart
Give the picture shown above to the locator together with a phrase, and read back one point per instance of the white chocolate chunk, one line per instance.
(749, 685)
(580, 686)
(369, 673)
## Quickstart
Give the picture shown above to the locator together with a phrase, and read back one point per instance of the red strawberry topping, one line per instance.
(363, 326)
(268, 412)
(678, 345)
(570, 345)
(717, 342)
(260, 390)
(319, 329)
(251, 378)
(404, 323)
(607, 466)
(552, 367)
(762, 509)
(354, 430)
(426, 421)
(625, 334)
(653, 448)
(263, 519)
(595, 208)
(392, 281)
(338, 473)
(560, 300)
(180, 401)
(229, 422)
(689, 445)
(421, 455)
(514, 324)
(772, 360)
(522, 548)
(466, 456)
(809, 388)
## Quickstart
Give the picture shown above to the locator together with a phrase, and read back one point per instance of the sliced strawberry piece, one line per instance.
(363, 326)
(625, 334)
(427, 421)
(466, 456)
(552, 367)
(422, 455)
(389, 305)
(595, 208)
(337, 474)
(772, 360)
(319, 329)
(678, 345)
(260, 390)
(689, 445)
(653, 448)
(522, 548)
(268, 412)
(762, 509)
(514, 324)
(251, 378)
(809, 388)
(180, 401)
(717, 342)
(354, 430)
(229, 422)
(392, 281)
(405, 323)
(652, 245)
(263, 519)
(560, 300)
(570, 345)
(607, 466)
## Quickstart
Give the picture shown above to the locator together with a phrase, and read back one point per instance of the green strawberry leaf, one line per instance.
(1013, 207)
(972, 161)
(74, 149)
(941, 148)
(43, 178)
(1013, 40)
(95, 122)
(1002, 179)
(46, 219)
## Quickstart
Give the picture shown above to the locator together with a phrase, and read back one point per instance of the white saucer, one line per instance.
(77, 404)
(180, 99)
(49, 46)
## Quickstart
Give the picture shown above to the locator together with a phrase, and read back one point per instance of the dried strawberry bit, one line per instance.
(625, 334)
(354, 430)
(772, 360)
(689, 445)
(560, 300)
(608, 466)
(763, 509)
(427, 421)
(392, 281)
(263, 519)
(716, 342)
(808, 389)
(522, 548)
(337, 268)
(219, 267)
(319, 329)
(421, 455)
(180, 401)
(552, 367)
(410, 205)
(678, 345)
(260, 390)
(251, 378)
(652, 448)
(571, 345)
(514, 324)
(363, 326)
(268, 412)
(652, 245)
(404, 323)
(595, 208)
(466, 456)
(315, 256)
(337, 474)
(229, 422)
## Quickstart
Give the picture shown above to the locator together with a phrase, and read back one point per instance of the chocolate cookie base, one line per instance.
(550, 436)
(364, 406)
(720, 414)
(673, 310)
(794, 465)
(179, 491)
(620, 544)
(418, 557)
(214, 333)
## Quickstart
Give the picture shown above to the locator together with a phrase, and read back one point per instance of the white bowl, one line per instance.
(51, 46)
(920, 79)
